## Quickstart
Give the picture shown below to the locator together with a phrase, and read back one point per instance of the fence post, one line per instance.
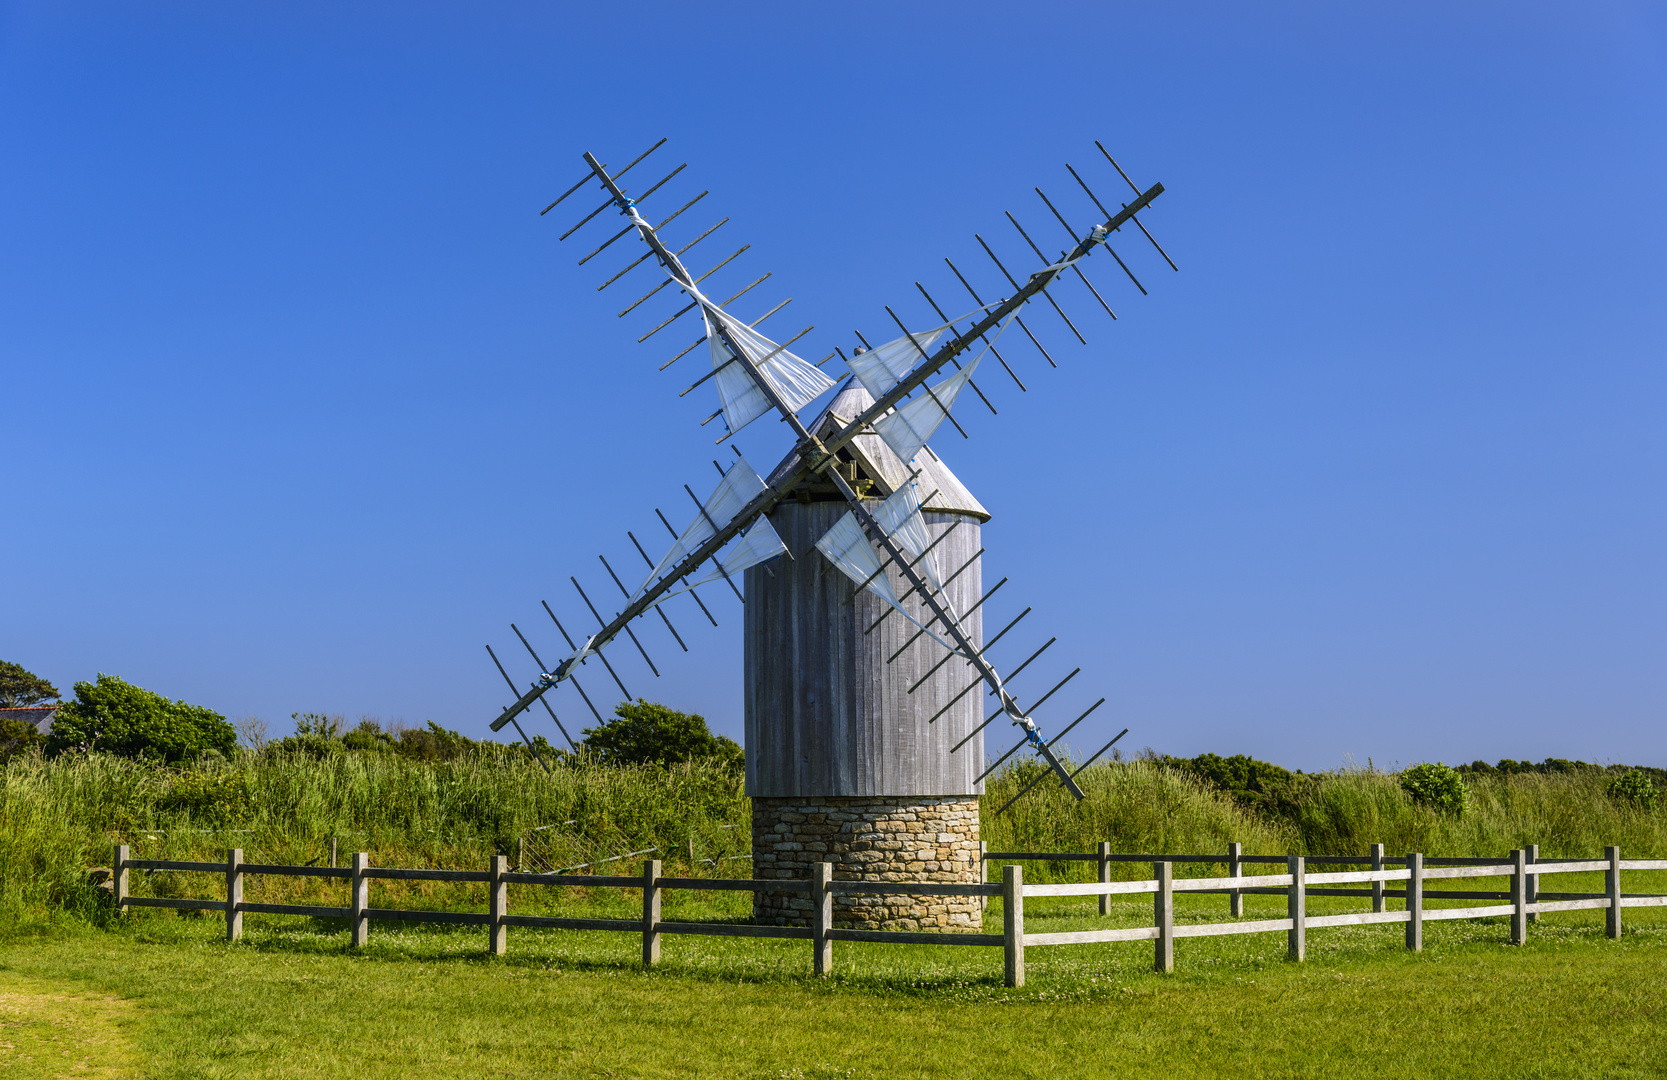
(1296, 939)
(1415, 902)
(234, 894)
(1163, 916)
(118, 879)
(1519, 896)
(650, 912)
(359, 899)
(1533, 854)
(1105, 876)
(521, 855)
(1235, 897)
(1013, 923)
(497, 899)
(332, 853)
(1377, 886)
(821, 905)
(1612, 885)
(983, 874)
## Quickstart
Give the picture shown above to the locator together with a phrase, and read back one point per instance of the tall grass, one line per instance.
(1144, 807)
(59, 817)
(1138, 806)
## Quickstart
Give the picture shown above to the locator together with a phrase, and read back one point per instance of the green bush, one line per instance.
(1633, 786)
(18, 737)
(320, 736)
(212, 797)
(1436, 786)
(117, 717)
(646, 732)
(1257, 784)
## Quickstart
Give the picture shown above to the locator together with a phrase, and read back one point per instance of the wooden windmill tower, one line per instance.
(869, 679)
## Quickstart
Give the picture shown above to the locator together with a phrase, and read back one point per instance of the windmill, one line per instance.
(858, 563)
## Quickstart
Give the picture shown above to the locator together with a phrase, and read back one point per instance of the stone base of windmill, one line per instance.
(869, 838)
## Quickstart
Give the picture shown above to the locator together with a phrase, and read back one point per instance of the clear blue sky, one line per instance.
(304, 402)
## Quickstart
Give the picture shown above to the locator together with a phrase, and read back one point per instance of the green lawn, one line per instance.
(290, 1000)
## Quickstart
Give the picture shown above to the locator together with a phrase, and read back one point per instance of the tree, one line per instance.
(20, 688)
(642, 731)
(119, 718)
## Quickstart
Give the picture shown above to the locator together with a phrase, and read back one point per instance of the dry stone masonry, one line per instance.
(869, 838)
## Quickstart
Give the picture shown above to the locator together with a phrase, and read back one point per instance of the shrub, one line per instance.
(1633, 786)
(17, 737)
(117, 717)
(319, 736)
(1257, 784)
(1436, 786)
(646, 732)
(214, 797)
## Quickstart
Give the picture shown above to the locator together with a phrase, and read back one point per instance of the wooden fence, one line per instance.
(1296, 883)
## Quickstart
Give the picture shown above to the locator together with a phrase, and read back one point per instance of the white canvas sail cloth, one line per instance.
(796, 382)
(740, 486)
(901, 518)
(883, 367)
(910, 426)
(846, 547)
(758, 544)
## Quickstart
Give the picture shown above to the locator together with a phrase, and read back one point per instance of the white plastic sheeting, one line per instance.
(794, 380)
(739, 486)
(910, 426)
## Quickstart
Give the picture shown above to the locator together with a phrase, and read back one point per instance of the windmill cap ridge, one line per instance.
(881, 463)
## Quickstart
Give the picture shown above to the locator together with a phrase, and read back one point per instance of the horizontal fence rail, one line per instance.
(1410, 873)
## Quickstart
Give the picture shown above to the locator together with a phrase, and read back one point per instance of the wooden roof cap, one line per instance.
(881, 464)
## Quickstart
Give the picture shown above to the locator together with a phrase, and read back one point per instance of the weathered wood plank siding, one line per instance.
(825, 713)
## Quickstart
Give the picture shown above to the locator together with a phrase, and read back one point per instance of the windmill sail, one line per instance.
(796, 382)
(755, 375)
(912, 423)
(900, 517)
(760, 543)
(846, 547)
(739, 487)
(883, 367)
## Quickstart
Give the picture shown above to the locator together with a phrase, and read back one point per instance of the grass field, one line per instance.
(164, 996)
(160, 995)
(59, 817)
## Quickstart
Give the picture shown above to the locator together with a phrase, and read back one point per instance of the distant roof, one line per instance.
(883, 466)
(38, 715)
